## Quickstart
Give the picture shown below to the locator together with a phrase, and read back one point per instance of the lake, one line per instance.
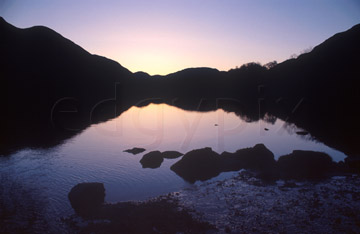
(44, 177)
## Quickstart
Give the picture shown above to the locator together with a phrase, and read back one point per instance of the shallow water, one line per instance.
(96, 155)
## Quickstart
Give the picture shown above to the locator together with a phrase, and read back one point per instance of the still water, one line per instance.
(96, 155)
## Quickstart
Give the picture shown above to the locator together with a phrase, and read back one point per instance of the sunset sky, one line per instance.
(160, 37)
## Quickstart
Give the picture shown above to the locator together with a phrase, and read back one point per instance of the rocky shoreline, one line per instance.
(204, 164)
(240, 204)
(246, 204)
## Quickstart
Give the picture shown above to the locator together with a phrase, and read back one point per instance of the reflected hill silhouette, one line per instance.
(52, 89)
(326, 82)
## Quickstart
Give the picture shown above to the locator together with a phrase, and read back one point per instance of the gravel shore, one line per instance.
(244, 204)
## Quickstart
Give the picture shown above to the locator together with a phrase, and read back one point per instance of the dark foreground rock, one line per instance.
(241, 204)
(152, 160)
(159, 215)
(135, 150)
(87, 198)
(353, 164)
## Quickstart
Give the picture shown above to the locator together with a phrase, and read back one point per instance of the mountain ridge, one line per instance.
(37, 71)
(331, 39)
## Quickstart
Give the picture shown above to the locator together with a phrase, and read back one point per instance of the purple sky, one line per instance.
(161, 37)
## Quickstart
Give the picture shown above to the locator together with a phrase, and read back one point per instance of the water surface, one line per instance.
(96, 155)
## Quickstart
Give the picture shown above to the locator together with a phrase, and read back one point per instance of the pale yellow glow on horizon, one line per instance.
(162, 53)
(162, 62)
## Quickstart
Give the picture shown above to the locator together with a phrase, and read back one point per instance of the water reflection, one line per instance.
(96, 154)
(163, 127)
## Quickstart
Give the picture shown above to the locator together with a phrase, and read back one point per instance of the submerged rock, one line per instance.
(152, 160)
(135, 150)
(87, 198)
(171, 154)
(200, 164)
(304, 165)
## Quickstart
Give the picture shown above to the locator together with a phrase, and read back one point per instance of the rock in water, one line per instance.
(135, 150)
(203, 164)
(152, 160)
(87, 198)
(257, 158)
(301, 164)
(171, 154)
(200, 164)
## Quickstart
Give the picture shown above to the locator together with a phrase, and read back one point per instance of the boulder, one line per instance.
(257, 158)
(302, 164)
(87, 198)
(200, 164)
(203, 164)
(152, 160)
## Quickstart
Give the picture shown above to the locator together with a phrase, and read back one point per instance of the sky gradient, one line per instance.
(161, 37)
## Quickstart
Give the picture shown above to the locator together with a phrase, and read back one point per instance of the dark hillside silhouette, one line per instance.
(39, 67)
(44, 74)
(328, 81)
